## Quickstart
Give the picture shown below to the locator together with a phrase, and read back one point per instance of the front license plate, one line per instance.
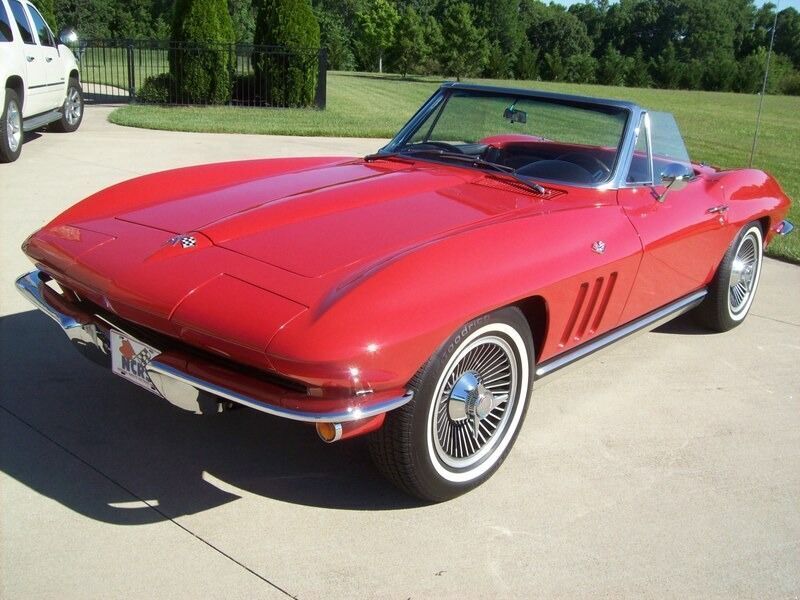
(129, 358)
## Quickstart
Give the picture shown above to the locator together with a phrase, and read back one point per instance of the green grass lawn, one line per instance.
(718, 127)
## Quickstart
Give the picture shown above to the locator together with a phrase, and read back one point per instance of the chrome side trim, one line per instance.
(177, 383)
(786, 227)
(649, 321)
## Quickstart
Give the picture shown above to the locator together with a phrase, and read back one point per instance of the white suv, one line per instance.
(39, 77)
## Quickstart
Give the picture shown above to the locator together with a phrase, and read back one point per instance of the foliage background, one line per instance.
(682, 44)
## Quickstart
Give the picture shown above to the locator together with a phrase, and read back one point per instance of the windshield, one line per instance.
(536, 138)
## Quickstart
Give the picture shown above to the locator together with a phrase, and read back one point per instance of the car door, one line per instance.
(55, 86)
(35, 67)
(682, 230)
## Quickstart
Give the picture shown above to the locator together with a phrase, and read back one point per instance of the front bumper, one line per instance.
(186, 379)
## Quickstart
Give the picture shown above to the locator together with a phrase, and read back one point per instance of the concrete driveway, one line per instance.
(670, 467)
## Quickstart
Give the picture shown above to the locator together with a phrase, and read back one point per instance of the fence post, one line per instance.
(322, 79)
(131, 74)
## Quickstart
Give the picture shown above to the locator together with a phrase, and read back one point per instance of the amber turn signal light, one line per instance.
(329, 432)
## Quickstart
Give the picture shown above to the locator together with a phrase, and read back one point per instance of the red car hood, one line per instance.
(327, 218)
(266, 245)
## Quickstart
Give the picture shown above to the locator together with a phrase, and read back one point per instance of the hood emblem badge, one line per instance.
(599, 247)
(187, 241)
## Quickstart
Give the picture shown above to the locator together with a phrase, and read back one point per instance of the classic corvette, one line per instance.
(415, 295)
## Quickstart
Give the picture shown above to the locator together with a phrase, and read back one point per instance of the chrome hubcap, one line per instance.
(72, 107)
(475, 402)
(743, 274)
(13, 126)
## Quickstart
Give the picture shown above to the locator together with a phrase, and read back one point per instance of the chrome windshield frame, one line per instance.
(625, 149)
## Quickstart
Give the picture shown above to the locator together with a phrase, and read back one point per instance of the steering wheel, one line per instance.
(595, 166)
(443, 145)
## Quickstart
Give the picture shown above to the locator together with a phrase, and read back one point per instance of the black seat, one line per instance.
(559, 170)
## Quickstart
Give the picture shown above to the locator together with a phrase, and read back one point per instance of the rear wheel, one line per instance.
(72, 111)
(469, 403)
(731, 293)
(11, 128)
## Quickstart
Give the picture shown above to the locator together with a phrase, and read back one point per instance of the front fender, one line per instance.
(386, 320)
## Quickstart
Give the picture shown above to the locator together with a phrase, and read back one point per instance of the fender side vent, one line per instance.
(589, 309)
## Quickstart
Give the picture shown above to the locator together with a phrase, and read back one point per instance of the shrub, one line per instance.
(791, 84)
(289, 80)
(201, 62)
(156, 89)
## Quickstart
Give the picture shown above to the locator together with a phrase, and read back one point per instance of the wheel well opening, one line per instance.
(15, 83)
(535, 311)
(74, 74)
(764, 222)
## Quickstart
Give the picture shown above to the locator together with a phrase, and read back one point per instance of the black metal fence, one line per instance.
(168, 72)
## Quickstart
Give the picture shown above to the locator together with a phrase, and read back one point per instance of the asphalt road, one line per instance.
(670, 467)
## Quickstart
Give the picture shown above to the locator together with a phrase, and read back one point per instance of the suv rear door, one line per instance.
(35, 100)
(54, 91)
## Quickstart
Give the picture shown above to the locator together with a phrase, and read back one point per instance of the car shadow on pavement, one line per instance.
(686, 324)
(75, 433)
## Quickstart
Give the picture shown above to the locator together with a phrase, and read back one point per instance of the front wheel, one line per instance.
(733, 288)
(469, 403)
(72, 111)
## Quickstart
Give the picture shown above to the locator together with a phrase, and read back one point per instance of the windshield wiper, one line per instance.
(475, 161)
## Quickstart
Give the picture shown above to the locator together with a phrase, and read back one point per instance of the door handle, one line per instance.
(717, 209)
(49, 59)
(30, 58)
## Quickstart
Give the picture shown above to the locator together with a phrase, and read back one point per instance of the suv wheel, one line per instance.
(72, 112)
(11, 128)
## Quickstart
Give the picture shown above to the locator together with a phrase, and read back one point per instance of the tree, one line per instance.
(553, 30)
(335, 36)
(498, 63)
(638, 72)
(47, 9)
(580, 68)
(464, 51)
(505, 31)
(243, 16)
(375, 24)
(201, 66)
(613, 67)
(431, 64)
(411, 47)
(667, 68)
(289, 80)
(787, 35)
(527, 65)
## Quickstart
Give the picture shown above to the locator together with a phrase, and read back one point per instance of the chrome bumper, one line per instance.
(169, 371)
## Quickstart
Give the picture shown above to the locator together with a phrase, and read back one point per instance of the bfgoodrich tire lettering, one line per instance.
(470, 400)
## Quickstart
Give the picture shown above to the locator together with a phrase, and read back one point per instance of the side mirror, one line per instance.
(67, 36)
(674, 177)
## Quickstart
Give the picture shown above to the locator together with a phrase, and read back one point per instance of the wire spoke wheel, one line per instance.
(474, 401)
(744, 274)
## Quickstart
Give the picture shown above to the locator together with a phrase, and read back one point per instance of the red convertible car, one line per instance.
(415, 295)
